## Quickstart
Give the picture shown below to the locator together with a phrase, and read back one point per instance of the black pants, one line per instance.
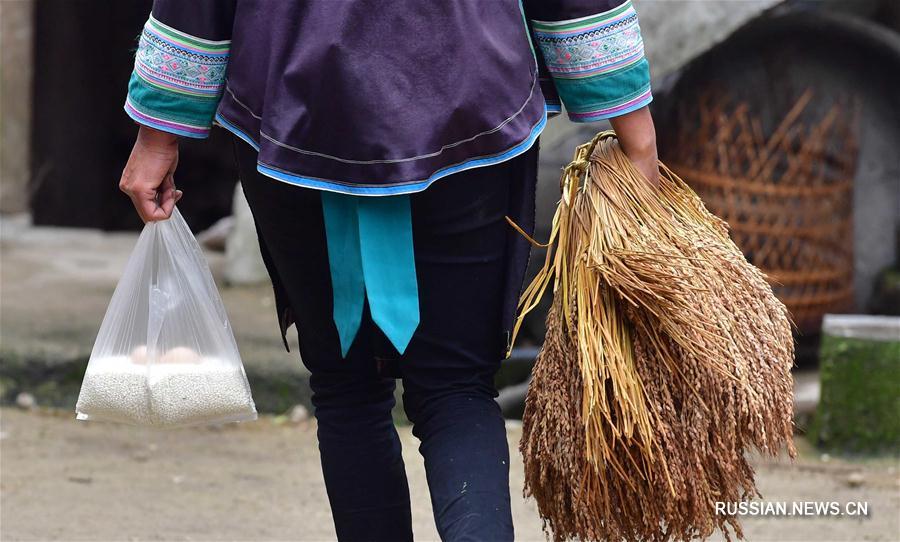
(469, 266)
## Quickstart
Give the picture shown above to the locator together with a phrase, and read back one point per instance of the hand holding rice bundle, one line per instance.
(666, 358)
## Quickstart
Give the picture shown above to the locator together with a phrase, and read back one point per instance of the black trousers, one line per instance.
(470, 266)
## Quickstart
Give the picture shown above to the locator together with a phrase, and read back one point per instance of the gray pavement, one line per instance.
(260, 481)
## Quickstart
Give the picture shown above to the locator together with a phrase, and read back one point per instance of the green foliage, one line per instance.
(859, 408)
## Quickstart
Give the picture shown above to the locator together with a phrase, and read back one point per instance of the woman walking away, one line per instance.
(380, 146)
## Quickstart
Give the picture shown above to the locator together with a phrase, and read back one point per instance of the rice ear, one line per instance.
(666, 358)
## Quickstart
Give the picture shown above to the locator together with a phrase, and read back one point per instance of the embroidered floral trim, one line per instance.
(175, 61)
(177, 80)
(593, 45)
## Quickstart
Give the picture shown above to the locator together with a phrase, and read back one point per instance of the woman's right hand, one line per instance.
(148, 177)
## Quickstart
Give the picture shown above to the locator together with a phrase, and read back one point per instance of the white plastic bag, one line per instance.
(165, 354)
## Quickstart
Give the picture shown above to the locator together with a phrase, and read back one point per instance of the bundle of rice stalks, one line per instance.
(666, 359)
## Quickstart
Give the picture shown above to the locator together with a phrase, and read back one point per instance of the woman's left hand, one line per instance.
(647, 164)
(637, 136)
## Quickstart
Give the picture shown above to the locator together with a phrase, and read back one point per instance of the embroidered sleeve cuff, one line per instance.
(177, 80)
(597, 63)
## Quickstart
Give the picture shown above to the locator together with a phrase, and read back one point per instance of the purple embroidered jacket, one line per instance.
(373, 97)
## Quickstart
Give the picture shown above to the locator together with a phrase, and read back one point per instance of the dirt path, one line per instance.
(63, 480)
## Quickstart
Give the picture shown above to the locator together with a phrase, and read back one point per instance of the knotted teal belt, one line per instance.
(370, 253)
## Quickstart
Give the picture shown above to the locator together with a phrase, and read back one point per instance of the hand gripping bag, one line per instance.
(165, 355)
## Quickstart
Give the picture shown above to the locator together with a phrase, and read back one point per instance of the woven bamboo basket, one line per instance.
(788, 197)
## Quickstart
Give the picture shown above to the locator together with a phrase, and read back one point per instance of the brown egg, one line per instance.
(139, 355)
(180, 354)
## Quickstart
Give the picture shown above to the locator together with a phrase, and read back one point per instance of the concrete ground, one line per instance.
(260, 481)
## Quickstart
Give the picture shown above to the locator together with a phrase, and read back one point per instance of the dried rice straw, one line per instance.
(666, 358)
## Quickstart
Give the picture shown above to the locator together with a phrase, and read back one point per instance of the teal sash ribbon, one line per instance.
(370, 254)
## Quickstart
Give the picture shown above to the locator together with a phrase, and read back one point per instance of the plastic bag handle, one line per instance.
(158, 299)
